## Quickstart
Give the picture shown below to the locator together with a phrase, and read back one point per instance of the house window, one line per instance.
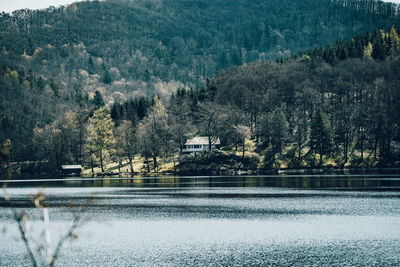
(197, 146)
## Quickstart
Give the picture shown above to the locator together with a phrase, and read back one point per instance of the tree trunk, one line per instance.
(80, 146)
(362, 148)
(251, 124)
(320, 154)
(148, 163)
(299, 145)
(130, 164)
(173, 159)
(346, 147)
(244, 147)
(155, 164)
(320, 160)
(101, 161)
(91, 162)
(255, 127)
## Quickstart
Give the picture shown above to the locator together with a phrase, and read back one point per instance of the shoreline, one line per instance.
(228, 172)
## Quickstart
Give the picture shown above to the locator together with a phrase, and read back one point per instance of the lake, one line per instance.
(286, 220)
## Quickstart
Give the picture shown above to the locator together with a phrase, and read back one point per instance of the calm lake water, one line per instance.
(281, 220)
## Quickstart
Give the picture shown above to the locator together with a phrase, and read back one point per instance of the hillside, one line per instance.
(335, 106)
(54, 61)
(339, 102)
(311, 110)
(127, 48)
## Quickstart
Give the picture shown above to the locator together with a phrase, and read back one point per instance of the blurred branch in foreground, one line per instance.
(23, 221)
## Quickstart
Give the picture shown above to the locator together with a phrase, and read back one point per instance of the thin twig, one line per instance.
(19, 218)
(24, 238)
(70, 234)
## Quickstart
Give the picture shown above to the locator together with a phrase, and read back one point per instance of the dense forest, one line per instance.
(143, 76)
(304, 111)
(127, 48)
(333, 106)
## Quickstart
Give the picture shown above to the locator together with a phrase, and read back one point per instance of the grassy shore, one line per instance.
(229, 160)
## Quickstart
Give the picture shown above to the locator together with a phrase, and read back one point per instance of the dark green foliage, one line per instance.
(320, 134)
(358, 96)
(133, 110)
(41, 84)
(269, 159)
(383, 45)
(215, 161)
(98, 101)
(279, 128)
(52, 60)
(378, 47)
(54, 87)
(116, 113)
(107, 77)
(147, 41)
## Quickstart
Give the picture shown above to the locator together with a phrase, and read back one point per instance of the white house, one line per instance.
(71, 169)
(200, 143)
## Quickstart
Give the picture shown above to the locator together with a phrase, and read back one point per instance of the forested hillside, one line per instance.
(58, 66)
(305, 111)
(341, 102)
(140, 47)
(334, 106)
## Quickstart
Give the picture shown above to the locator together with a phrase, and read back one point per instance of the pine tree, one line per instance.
(342, 53)
(378, 47)
(98, 100)
(279, 128)
(116, 113)
(41, 84)
(107, 77)
(320, 136)
(54, 87)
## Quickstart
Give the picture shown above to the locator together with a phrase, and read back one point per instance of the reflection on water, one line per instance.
(389, 181)
(279, 220)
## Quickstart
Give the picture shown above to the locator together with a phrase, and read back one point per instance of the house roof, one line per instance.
(68, 167)
(202, 140)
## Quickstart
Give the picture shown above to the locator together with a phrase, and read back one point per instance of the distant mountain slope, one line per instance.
(125, 48)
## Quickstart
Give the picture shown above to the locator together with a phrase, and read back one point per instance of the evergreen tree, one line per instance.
(41, 84)
(116, 113)
(54, 87)
(279, 128)
(98, 100)
(141, 108)
(107, 77)
(320, 135)
(378, 47)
